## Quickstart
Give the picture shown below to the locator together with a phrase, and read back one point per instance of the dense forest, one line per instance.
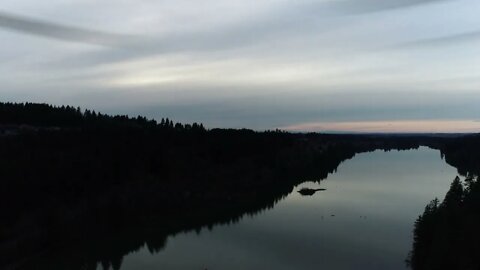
(72, 176)
(446, 235)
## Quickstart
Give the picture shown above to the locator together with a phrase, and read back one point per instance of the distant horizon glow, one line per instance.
(395, 126)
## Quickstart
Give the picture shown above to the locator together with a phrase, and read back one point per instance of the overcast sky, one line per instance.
(345, 65)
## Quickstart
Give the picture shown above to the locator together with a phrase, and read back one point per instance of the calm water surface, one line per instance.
(363, 220)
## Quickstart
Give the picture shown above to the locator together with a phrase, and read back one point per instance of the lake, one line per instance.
(363, 220)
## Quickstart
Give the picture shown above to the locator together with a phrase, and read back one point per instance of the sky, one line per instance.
(298, 65)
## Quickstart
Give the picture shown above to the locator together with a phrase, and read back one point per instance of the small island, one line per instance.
(309, 191)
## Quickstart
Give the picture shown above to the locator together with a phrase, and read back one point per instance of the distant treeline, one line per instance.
(463, 153)
(45, 115)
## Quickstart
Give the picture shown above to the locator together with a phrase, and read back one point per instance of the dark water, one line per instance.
(363, 220)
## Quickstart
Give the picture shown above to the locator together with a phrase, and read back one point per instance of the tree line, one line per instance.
(45, 115)
(447, 234)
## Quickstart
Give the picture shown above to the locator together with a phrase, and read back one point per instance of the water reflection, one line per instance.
(362, 221)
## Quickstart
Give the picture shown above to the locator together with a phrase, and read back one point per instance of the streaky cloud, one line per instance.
(51, 30)
(367, 6)
(221, 38)
(443, 40)
(292, 20)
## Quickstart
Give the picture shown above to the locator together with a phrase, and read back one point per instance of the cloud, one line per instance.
(41, 28)
(285, 20)
(269, 31)
(366, 6)
(443, 40)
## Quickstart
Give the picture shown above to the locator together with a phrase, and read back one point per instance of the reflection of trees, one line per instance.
(144, 215)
